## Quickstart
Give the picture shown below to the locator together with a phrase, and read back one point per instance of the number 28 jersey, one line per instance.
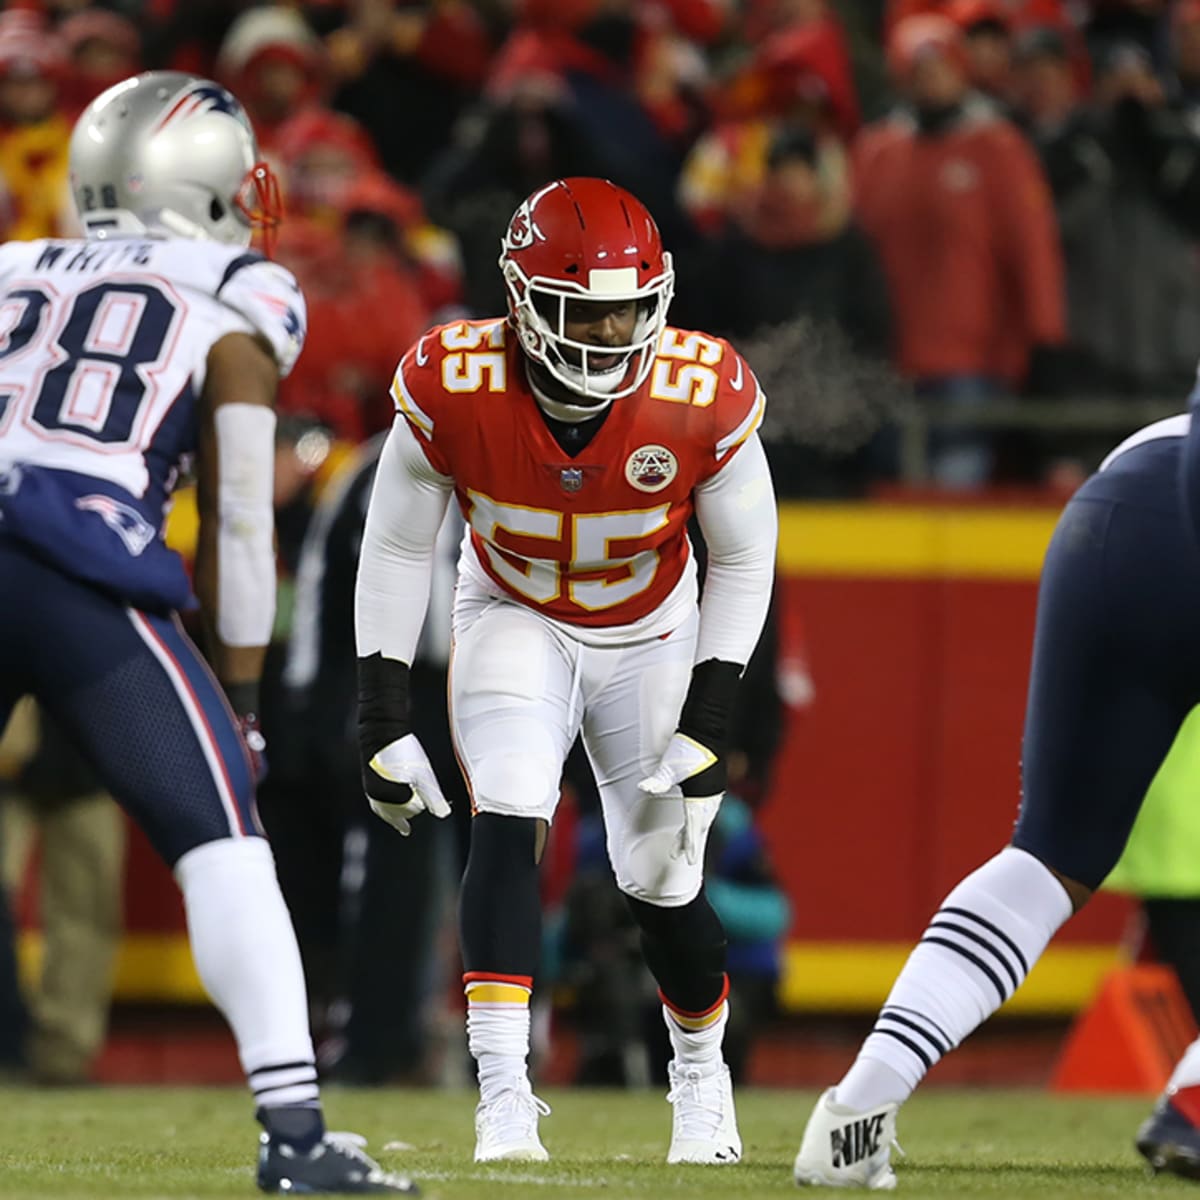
(103, 353)
(597, 539)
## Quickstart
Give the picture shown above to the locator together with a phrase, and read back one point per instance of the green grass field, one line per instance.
(173, 1142)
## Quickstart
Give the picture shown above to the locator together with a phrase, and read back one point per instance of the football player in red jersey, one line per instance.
(578, 435)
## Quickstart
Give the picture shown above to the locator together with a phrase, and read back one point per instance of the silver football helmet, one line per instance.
(169, 153)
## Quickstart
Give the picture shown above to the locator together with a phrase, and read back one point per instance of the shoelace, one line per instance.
(354, 1147)
(518, 1106)
(699, 1116)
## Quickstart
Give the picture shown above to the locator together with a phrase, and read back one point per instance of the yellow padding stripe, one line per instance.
(150, 967)
(696, 1023)
(817, 976)
(857, 976)
(497, 993)
(883, 541)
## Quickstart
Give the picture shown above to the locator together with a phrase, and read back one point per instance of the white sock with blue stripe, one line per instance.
(977, 950)
(246, 954)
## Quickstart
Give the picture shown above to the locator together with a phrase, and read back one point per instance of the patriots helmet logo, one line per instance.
(202, 98)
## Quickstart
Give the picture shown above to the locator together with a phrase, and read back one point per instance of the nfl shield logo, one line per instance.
(571, 479)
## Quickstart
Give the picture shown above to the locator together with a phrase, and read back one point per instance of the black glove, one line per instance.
(396, 773)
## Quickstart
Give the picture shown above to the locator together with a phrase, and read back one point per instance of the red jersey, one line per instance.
(598, 538)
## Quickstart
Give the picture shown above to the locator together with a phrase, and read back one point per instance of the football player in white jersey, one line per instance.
(157, 340)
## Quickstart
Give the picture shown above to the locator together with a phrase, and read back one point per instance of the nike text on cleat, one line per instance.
(1169, 1141)
(506, 1125)
(704, 1123)
(336, 1165)
(847, 1149)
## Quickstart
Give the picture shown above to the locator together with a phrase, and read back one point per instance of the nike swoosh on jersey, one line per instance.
(422, 359)
(736, 381)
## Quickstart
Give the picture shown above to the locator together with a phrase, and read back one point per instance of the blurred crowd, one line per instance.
(892, 205)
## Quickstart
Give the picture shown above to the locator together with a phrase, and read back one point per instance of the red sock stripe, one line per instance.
(1187, 1100)
(698, 1016)
(525, 981)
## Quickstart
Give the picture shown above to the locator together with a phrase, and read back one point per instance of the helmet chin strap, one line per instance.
(559, 410)
(178, 225)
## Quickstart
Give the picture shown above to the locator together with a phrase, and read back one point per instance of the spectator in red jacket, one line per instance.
(326, 157)
(364, 301)
(958, 207)
(798, 77)
(1020, 14)
(103, 48)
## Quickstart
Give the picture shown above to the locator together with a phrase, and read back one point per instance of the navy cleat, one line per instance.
(1169, 1141)
(336, 1165)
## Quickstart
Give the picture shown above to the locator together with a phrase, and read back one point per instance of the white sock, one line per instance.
(978, 949)
(1187, 1069)
(498, 1032)
(699, 1046)
(246, 954)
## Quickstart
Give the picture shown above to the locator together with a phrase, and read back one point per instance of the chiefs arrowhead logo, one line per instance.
(522, 229)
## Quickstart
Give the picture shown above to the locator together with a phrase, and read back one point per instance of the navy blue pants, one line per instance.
(1116, 661)
(132, 692)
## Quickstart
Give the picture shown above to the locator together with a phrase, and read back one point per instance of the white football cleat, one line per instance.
(847, 1149)
(704, 1123)
(506, 1125)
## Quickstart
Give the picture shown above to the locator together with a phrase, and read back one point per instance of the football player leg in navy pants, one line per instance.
(134, 695)
(1116, 668)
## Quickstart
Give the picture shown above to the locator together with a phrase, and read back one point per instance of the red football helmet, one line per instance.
(585, 239)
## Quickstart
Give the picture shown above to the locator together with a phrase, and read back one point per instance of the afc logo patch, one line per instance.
(651, 468)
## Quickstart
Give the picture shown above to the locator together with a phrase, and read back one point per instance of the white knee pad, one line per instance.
(645, 870)
(516, 783)
(512, 686)
(227, 857)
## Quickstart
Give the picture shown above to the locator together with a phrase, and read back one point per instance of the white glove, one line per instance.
(401, 766)
(684, 759)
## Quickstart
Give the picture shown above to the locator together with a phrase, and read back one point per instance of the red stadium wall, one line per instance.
(904, 774)
(901, 777)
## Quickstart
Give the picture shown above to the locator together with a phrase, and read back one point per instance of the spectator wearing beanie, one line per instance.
(102, 48)
(273, 61)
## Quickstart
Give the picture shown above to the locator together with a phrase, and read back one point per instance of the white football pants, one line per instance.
(520, 692)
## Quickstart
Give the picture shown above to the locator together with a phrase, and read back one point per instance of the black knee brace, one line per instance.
(685, 950)
(500, 910)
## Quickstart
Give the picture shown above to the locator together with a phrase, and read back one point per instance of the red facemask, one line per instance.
(260, 202)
